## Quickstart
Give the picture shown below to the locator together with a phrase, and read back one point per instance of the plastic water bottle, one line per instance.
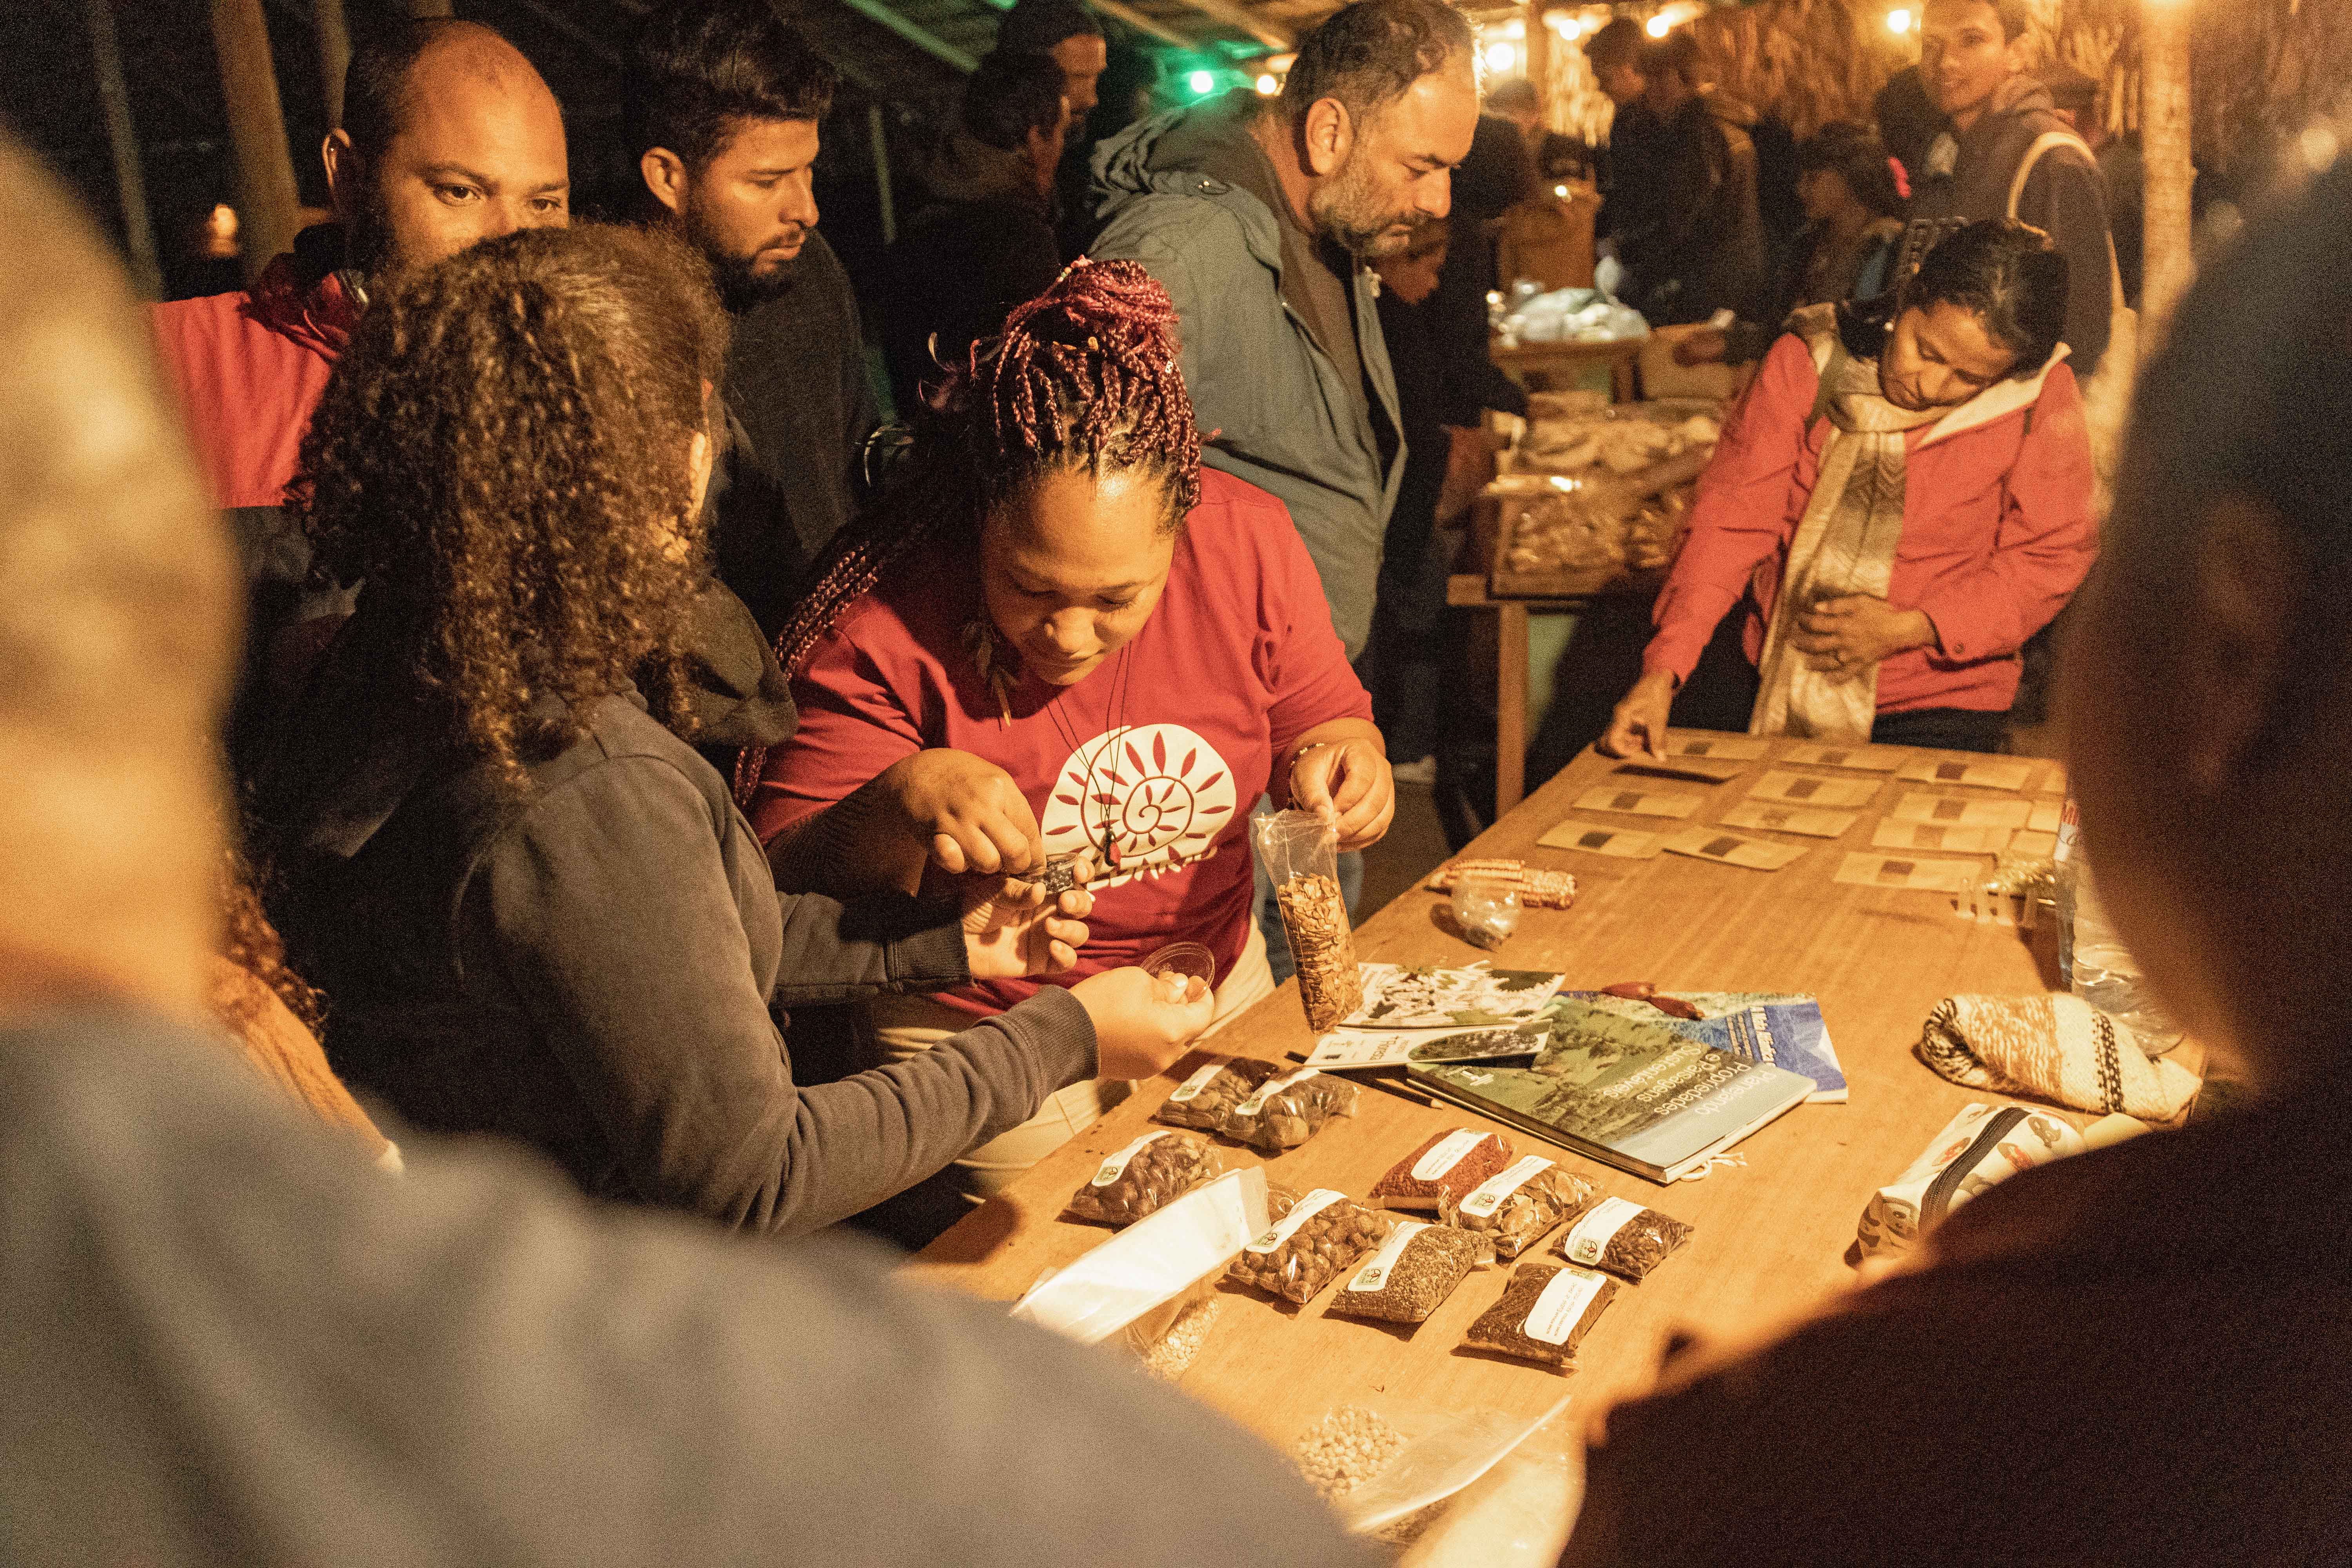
(2093, 961)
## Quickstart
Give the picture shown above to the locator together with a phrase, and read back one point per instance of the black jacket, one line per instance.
(587, 963)
(1699, 246)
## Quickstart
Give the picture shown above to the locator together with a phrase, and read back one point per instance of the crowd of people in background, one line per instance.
(637, 669)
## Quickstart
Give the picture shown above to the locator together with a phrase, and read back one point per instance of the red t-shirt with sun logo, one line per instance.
(1165, 750)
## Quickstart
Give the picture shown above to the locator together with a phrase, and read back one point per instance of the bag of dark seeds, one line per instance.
(1446, 1168)
(1622, 1238)
(1209, 1096)
(1519, 1205)
(1156, 1169)
(1545, 1313)
(1285, 1112)
(1413, 1273)
(1313, 1237)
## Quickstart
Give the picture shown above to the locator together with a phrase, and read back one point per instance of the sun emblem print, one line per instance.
(1162, 792)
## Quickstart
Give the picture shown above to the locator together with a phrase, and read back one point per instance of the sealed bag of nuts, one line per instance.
(1204, 1099)
(1545, 1313)
(1300, 852)
(1413, 1273)
(1444, 1169)
(1313, 1237)
(1155, 1169)
(1285, 1112)
(1623, 1238)
(1520, 1203)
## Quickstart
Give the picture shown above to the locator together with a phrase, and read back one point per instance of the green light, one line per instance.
(1200, 83)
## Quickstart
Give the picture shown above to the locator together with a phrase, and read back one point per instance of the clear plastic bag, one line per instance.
(1545, 1313)
(1312, 1238)
(1416, 1269)
(1519, 1206)
(1446, 1168)
(1145, 1176)
(1203, 1101)
(1622, 1237)
(1300, 852)
(1285, 1112)
(1138, 1283)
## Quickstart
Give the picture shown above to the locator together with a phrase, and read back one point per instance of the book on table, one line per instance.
(1645, 1095)
(1760, 1026)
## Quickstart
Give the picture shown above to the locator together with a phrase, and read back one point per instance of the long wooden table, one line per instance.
(1772, 1235)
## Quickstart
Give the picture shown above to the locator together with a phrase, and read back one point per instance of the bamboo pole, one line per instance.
(122, 141)
(1539, 62)
(2169, 258)
(266, 198)
(876, 134)
(334, 34)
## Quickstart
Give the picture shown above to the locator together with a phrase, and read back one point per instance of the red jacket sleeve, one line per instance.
(853, 724)
(1742, 514)
(2047, 540)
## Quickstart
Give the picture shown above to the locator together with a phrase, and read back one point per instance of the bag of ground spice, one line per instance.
(1445, 1169)
(1285, 1112)
(1300, 852)
(1413, 1273)
(1520, 1203)
(1623, 1238)
(1155, 1169)
(1313, 1237)
(1545, 1313)
(1209, 1096)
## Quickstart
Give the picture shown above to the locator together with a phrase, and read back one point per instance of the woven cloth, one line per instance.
(2056, 1047)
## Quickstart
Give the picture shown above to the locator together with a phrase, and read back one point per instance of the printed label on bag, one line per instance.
(1198, 1081)
(1482, 1203)
(1257, 1102)
(1307, 1208)
(1369, 1275)
(1446, 1153)
(1592, 1233)
(1561, 1306)
(1113, 1167)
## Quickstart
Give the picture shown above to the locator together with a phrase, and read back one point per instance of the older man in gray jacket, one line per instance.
(1257, 216)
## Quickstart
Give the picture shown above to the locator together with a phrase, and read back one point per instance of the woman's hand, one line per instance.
(1638, 726)
(1348, 781)
(1140, 1027)
(966, 811)
(1016, 931)
(1845, 637)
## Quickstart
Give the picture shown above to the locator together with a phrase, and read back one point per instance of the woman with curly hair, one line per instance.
(1065, 636)
(538, 910)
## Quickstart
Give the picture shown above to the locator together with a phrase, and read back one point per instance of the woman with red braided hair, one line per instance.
(1063, 638)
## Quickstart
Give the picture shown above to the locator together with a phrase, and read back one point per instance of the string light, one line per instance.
(1898, 22)
(1200, 83)
(1658, 26)
(1501, 57)
(1268, 85)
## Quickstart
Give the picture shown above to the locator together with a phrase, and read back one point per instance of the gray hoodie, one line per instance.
(1275, 408)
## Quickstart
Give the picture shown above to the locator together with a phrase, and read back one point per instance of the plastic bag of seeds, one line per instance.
(1285, 1112)
(1154, 1169)
(1204, 1099)
(1519, 1205)
(1622, 1237)
(1545, 1313)
(1413, 1273)
(1300, 852)
(1445, 1169)
(1312, 1239)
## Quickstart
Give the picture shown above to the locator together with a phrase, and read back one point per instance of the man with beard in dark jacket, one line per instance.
(722, 101)
(988, 244)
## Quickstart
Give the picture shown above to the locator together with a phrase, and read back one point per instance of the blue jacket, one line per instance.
(1274, 407)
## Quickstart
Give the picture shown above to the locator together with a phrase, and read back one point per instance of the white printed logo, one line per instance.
(1162, 792)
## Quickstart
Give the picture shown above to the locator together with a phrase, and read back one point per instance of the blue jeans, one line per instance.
(1269, 913)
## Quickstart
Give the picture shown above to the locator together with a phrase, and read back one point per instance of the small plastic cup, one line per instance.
(1185, 960)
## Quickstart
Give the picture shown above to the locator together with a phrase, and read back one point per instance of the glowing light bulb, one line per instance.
(1569, 27)
(1200, 83)
(1500, 58)
(1898, 22)
(1267, 86)
(1659, 27)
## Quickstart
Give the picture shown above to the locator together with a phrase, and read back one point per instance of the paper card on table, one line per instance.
(1801, 819)
(1343, 1050)
(1983, 774)
(2046, 816)
(1698, 768)
(1731, 850)
(1640, 803)
(2040, 845)
(1804, 789)
(1899, 871)
(1624, 843)
(2054, 781)
(1958, 811)
(1860, 759)
(1936, 836)
(1739, 748)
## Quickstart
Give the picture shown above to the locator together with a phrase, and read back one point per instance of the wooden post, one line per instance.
(122, 141)
(877, 133)
(334, 54)
(2170, 260)
(257, 127)
(432, 7)
(1539, 62)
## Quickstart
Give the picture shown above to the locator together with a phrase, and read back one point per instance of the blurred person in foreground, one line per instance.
(2071, 1372)
(224, 1337)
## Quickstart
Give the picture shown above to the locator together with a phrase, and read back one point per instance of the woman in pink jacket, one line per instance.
(1902, 500)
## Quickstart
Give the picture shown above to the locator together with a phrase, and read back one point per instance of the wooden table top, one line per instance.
(1771, 1235)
